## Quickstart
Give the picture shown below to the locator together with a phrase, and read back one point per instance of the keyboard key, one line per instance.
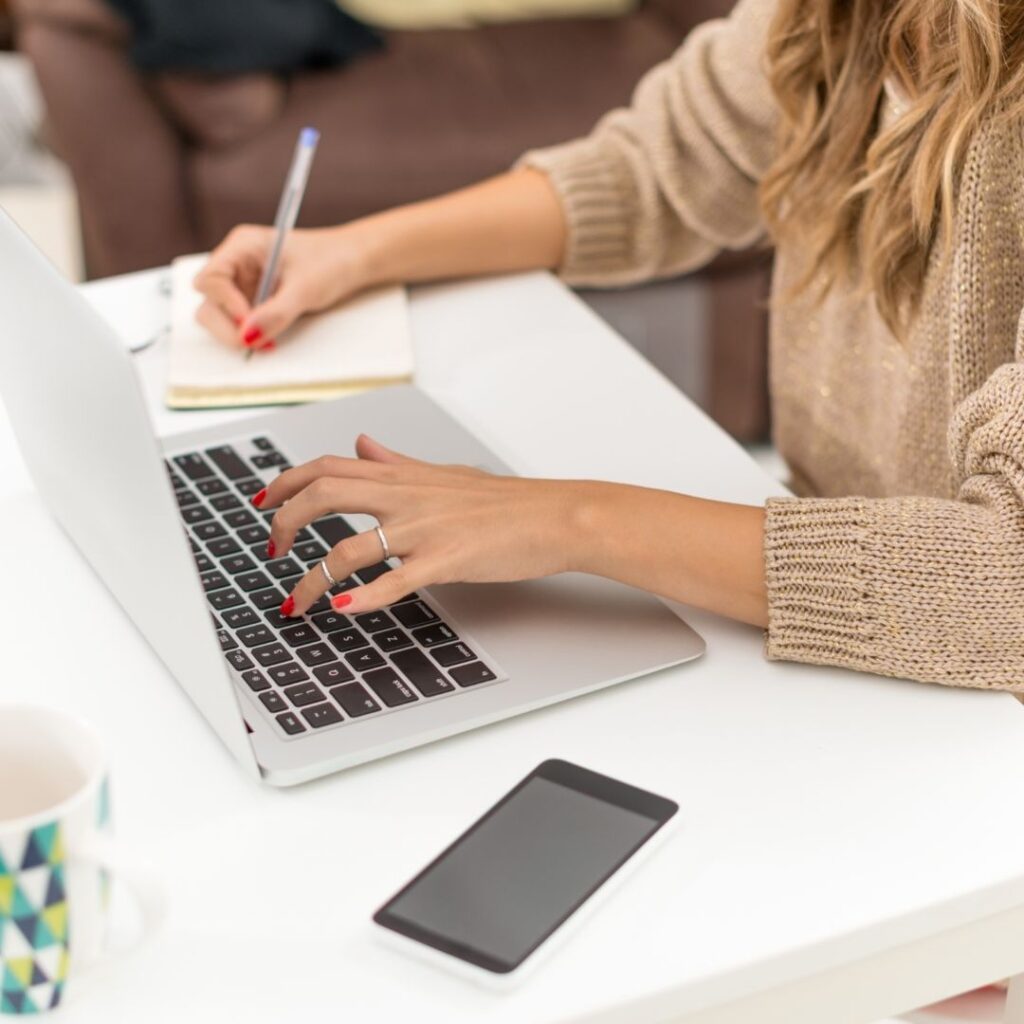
(348, 583)
(255, 680)
(333, 529)
(237, 564)
(260, 553)
(263, 443)
(209, 531)
(452, 654)
(227, 460)
(439, 633)
(289, 721)
(354, 698)
(193, 465)
(235, 618)
(372, 572)
(372, 621)
(193, 545)
(264, 599)
(269, 460)
(273, 701)
(414, 614)
(316, 654)
(365, 659)
(176, 481)
(227, 641)
(386, 683)
(471, 674)
(296, 636)
(332, 675)
(213, 581)
(211, 486)
(221, 547)
(309, 552)
(279, 621)
(392, 640)
(424, 675)
(272, 654)
(282, 568)
(221, 599)
(348, 639)
(254, 636)
(250, 486)
(204, 564)
(238, 517)
(196, 514)
(321, 604)
(253, 535)
(327, 622)
(321, 715)
(250, 581)
(405, 600)
(288, 674)
(228, 503)
(186, 498)
(303, 694)
(239, 660)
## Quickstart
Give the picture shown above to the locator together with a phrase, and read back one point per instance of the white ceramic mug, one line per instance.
(56, 858)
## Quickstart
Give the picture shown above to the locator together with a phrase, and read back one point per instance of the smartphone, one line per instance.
(540, 856)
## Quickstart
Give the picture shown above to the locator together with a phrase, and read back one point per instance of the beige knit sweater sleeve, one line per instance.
(659, 188)
(925, 588)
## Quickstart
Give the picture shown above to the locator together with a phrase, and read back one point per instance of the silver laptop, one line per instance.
(169, 528)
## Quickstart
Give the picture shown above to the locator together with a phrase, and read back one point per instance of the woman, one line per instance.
(880, 145)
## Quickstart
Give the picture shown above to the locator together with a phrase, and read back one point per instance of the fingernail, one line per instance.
(271, 549)
(341, 600)
(258, 499)
(252, 335)
(288, 605)
(268, 347)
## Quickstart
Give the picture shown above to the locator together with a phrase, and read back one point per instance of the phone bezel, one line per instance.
(658, 809)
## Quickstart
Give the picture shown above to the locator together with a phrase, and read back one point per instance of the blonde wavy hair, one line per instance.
(869, 204)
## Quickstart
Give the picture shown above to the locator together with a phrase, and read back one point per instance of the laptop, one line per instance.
(168, 526)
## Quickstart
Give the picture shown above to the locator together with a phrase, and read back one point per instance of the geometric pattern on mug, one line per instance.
(33, 923)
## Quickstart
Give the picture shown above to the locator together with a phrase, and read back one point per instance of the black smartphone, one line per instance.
(516, 876)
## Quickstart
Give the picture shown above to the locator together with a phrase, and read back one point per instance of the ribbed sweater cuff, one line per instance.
(594, 198)
(819, 601)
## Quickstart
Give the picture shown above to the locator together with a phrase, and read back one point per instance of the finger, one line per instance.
(273, 317)
(342, 560)
(218, 323)
(320, 498)
(387, 588)
(219, 286)
(373, 451)
(287, 484)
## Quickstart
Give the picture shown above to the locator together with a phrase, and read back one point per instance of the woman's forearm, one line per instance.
(509, 223)
(704, 553)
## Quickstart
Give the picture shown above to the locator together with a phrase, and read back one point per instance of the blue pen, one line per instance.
(288, 210)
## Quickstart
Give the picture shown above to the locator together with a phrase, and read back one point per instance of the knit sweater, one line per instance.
(904, 552)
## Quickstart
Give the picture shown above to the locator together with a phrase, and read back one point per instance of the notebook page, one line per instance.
(365, 341)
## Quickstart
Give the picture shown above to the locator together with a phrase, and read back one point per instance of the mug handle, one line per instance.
(139, 880)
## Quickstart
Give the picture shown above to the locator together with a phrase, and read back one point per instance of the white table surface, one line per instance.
(843, 838)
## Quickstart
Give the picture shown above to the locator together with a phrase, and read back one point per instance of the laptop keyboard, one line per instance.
(325, 669)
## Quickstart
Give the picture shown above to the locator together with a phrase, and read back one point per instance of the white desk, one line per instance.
(850, 846)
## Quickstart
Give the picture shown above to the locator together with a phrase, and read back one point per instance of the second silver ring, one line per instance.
(383, 543)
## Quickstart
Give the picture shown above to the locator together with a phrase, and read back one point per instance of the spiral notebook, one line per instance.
(363, 343)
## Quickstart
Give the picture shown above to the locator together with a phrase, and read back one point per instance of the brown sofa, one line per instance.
(166, 164)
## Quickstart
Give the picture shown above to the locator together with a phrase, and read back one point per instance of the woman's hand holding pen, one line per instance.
(318, 269)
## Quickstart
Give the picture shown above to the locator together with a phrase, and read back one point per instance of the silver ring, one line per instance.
(331, 581)
(383, 543)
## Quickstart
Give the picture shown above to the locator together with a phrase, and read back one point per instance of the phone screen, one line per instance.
(519, 872)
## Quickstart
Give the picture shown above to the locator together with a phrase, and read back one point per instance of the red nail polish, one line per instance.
(252, 335)
(288, 605)
(341, 600)
(271, 549)
(268, 346)
(258, 499)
